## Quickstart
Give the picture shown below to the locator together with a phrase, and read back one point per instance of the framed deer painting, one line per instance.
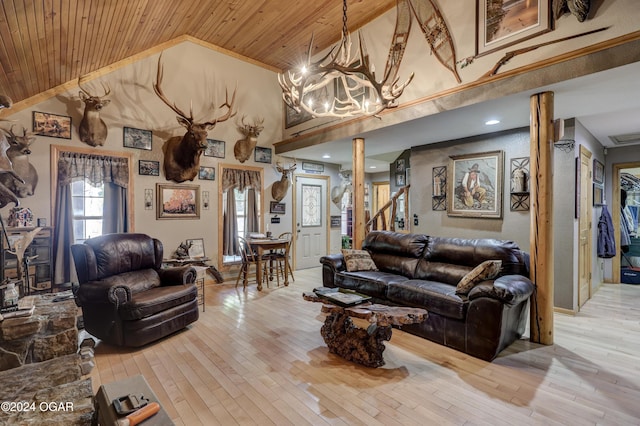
(51, 125)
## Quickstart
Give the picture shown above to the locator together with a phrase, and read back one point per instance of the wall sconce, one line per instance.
(205, 200)
(148, 199)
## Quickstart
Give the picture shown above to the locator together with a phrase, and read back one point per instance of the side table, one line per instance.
(360, 345)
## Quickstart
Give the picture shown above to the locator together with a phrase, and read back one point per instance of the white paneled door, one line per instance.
(310, 227)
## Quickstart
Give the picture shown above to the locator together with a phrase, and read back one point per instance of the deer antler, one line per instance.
(161, 95)
(230, 112)
(229, 105)
(106, 88)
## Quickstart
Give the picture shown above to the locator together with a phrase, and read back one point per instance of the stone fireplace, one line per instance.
(41, 377)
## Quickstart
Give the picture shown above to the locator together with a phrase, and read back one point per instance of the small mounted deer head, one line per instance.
(93, 130)
(244, 147)
(337, 192)
(23, 178)
(182, 153)
(279, 189)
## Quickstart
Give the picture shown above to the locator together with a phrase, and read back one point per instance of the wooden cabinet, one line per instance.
(40, 254)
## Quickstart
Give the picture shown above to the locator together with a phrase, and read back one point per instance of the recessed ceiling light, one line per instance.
(492, 122)
(372, 167)
(326, 156)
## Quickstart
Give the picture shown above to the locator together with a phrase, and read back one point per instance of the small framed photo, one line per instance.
(400, 179)
(277, 208)
(262, 155)
(42, 221)
(598, 172)
(51, 125)
(400, 165)
(136, 138)
(207, 173)
(148, 168)
(215, 148)
(598, 194)
(196, 248)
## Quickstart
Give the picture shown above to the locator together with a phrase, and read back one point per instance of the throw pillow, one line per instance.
(358, 260)
(485, 271)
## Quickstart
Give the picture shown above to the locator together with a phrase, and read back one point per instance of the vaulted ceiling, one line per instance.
(45, 43)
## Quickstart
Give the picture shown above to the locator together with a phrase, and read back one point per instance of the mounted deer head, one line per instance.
(279, 189)
(93, 130)
(24, 178)
(244, 147)
(337, 192)
(182, 153)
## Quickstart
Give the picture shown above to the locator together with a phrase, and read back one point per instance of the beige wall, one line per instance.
(513, 225)
(191, 73)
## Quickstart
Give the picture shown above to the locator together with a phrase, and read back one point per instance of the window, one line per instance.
(88, 201)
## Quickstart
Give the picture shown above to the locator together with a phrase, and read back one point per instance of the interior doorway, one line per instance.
(618, 172)
(381, 193)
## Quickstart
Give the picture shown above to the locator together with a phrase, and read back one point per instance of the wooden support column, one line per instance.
(541, 247)
(357, 185)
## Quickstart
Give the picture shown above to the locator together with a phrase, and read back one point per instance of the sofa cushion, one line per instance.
(371, 283)
(358, 260)
(156, 300)
(433, 296)
(487, 270)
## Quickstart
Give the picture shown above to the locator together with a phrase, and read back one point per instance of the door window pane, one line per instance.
(311, 205)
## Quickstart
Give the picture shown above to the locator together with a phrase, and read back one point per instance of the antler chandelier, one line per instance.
(342, 83)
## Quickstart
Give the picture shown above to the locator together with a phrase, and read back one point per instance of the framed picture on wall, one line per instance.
(262, 155)
(178, 201)
(207, 173)
(215, 148)
(501, 24)
(598, 194)
(598, 172)
(475, 185)
(277, 208)
(51, 125)
(148, 168)
(136, 138)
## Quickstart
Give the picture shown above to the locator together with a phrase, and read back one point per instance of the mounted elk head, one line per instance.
(23, 179)
(182, 153)
(93, 130)
(279, 189)
(244, 147)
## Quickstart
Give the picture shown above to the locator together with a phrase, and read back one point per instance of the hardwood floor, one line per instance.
(258, 358)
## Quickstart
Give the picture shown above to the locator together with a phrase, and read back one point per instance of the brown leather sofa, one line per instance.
(422, 271)
(126, 298)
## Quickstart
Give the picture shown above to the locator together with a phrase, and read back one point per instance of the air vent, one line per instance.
(628, 139)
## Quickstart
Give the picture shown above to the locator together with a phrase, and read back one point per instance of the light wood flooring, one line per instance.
(258, 358)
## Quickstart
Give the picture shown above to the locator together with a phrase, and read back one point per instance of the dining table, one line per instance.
(262, 245)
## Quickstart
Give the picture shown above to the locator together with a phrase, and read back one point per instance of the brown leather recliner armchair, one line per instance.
(126, 298)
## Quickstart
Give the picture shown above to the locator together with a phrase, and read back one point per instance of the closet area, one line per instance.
(629, 226)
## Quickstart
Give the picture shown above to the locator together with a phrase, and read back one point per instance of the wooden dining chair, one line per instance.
(281, 257)
(248, 258)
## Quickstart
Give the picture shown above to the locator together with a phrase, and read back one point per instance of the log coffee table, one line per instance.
(360, 345)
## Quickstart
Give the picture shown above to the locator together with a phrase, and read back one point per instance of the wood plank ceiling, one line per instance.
(46, 43)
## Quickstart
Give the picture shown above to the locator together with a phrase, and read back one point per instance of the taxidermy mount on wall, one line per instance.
(23, 179)
(93, 130)
(182, 153)
(244, 147)
(279, 188)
